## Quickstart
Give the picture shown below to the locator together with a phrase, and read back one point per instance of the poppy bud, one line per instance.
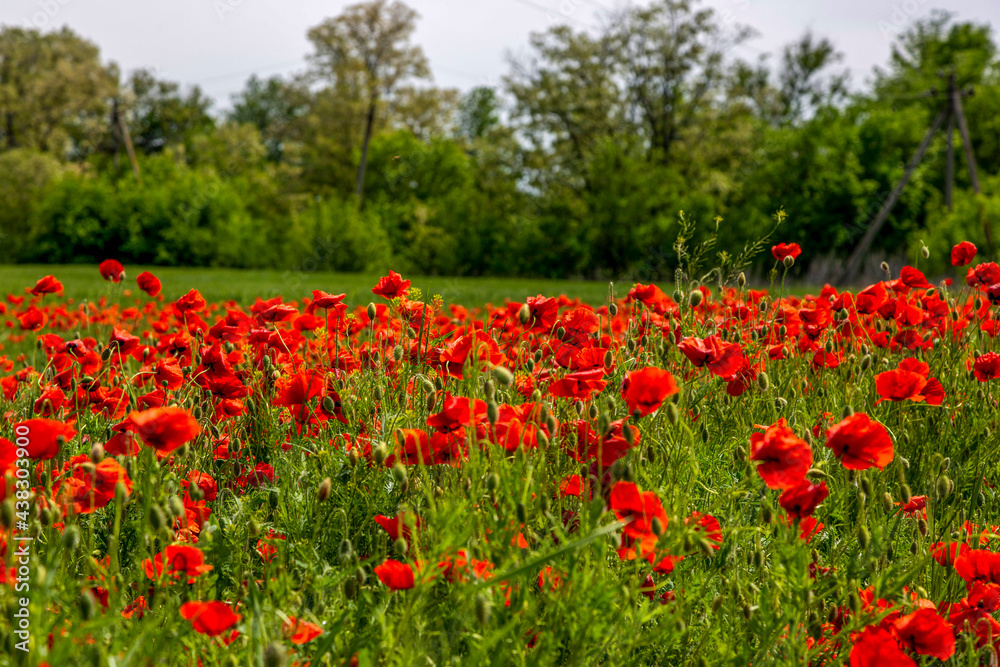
(71, 538)
(372, 312)
(399, 474)
(763, 381)
(483, 608)
(658, 526)
(766, 513)
(864, 537)
(717, 603)
(613, 309)
(379, 454)
(524, 314)
(866, 486)
(400, 547)
(323, 492)
(943, 486)
(695, 298)
(97, 453)
(885, 266)
(673, 414)
(493, 482)
(780, 403)
(593, 411)
(87, 605)
(175, 507)
(925, 251)
(272, 499)
(492, 412)
(503, 376)
(747, 609)
(350, 589)
(739, 454)
(551, 424)
(829, 346)
(522, 513)
(580, 408)
(274, 656)
(561, 333)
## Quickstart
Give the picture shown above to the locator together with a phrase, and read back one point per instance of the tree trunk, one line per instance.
(369, 124)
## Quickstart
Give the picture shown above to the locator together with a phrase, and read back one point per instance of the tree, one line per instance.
(367, 48)
(160, 116)
(478, 113)
(54, 91)
(274, 106)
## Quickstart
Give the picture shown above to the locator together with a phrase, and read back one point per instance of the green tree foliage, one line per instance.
(578, 164)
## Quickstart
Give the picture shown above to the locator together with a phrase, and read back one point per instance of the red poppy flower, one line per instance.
(542, 313)
(32, 319)
(397, 526)
(916, 504)
(148, 283)
(802, 500)
(978, 565)
(47, 285)
(90, 487)
(299, 631)
(983, 275)
(909, 382)
(871, 298)
(876, 647)
(783, 250)
(192, 302)
(165, 429)
(783, 456)
(579, 385)
(455, 414)
(178, 560)
(391, 286)
(645, 389)
(962, 253)
(650, 296)
(325, 300)
(138, 607)
(912, 277)
(397, 576)
(627, 502)
(209, 618)
(926, 633)
(112, 269)
(860, 443)
(722, 359)
(44, 437)
(708, 526)
(987, 367)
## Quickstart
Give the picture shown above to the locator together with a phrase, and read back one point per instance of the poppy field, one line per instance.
(685, 474)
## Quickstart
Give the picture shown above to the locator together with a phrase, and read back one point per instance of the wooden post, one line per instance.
(851, 268)
(949, 165)
(963, 127)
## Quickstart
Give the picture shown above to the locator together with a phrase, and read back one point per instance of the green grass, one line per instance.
(84, 282)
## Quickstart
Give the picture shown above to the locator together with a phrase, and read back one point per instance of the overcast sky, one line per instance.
(217, 44)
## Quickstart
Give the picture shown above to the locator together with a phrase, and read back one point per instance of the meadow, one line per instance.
(233, 468)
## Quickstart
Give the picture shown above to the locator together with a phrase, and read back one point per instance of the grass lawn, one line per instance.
(84, 282)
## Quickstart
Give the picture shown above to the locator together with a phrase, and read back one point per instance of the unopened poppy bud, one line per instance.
(350, 589)
(866, 486)
(329, 407)
(561, 333)
(763, 381)
(397, 352)
(427, 385)
(789, 261)
(353, 457)
(780, 403)
(493, 482)
(864, 537)
(272, 499)
(97, 453)
(400, 547)
(87, 605)
(741, 279)
(483, 609)
(925, 251)
(943, 486)
(522, 513)
(905, 494)
(922, 526)
(866, 362)
(580, 407)
(887, 504)
(71, 538)
(945, 464)
(766, 513)
(274, 655)
(847, 411)
(885, 266)
(673, 414)
(739, 454)
(399, 474)
(379, 454)
(524, 314)
(829, 346)
(695, 298)
(372, 312)
(492, 412)
(592, 411)
(323, 492)
(613, 309)
(854, 601)
(503, 376)
(658, 527)
(175, 507)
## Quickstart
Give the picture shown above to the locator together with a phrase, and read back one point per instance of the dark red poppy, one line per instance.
(926, 633)
(455, 414)
(209, 618)
(32, 319)
(962, 254)
(324, 300)
(542, 313)
(860, 443)
(165, 429)
(783, 250)
(177, 560)
(112, 269)
(397, 576)
(987, 367)
(877, 647)
(148, 283)
(784, 457)
(650, 296)
(909, 382)
(47, 285)
(645, 389)
(802, 500)
(983, 275)
(871, 298)
(192, 302)
(579, 385)
(391, 286)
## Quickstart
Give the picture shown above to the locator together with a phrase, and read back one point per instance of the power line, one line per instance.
(550, 12)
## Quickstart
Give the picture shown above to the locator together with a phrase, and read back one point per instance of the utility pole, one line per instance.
(952, 112)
